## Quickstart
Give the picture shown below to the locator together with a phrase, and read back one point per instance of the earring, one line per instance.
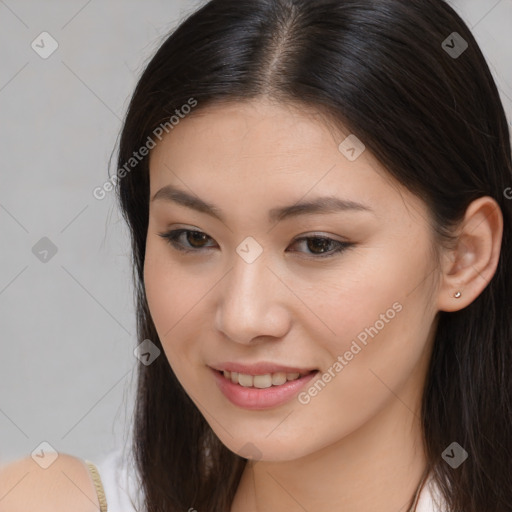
(457, 295)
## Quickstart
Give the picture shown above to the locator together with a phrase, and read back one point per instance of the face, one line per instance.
(341, 290)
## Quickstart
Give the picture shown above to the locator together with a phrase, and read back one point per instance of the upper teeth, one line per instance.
(260, 381)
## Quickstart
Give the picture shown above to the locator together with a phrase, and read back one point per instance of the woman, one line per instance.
(317, 197)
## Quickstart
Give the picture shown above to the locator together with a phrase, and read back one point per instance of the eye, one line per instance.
(319, 246)
(194, 238)
(195, 241)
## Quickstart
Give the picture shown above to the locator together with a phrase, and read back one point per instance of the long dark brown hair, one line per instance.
(382, 69)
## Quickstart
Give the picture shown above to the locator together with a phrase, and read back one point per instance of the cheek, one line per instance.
(166, 295)
(158, 284)
(357, 304)
(167, 300)
(175, 299)
(379, 318)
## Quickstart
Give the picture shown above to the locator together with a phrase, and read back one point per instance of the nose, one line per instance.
(252, 302)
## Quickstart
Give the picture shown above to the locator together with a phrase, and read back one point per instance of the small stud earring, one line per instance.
(457, 295)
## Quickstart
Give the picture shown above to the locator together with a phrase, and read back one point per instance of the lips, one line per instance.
(254, 398)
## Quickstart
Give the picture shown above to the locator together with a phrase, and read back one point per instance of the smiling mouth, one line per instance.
(262, 381)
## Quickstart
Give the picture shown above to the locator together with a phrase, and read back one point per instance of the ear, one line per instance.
(469, 267)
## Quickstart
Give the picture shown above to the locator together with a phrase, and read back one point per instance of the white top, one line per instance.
(430, 499)
(123, 494)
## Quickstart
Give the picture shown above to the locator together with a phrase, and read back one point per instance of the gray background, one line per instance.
(67, 369)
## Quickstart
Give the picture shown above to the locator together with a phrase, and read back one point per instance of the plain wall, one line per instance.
(67, 368)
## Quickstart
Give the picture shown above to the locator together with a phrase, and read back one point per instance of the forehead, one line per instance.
(253, 137)
(270, 153)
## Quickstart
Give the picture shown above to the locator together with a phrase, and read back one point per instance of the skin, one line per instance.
(64, 485)
(357, 444)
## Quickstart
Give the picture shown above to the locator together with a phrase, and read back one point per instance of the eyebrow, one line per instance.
(319, 205)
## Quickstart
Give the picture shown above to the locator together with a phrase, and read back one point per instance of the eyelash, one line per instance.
(172, 239)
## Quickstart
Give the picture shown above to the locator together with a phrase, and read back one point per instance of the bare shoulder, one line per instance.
(64, 485)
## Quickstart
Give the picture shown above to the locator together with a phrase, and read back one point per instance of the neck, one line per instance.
(378, 467)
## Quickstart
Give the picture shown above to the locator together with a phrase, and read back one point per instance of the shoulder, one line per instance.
(64, 485)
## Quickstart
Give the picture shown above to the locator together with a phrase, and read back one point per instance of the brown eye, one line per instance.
(323, 247)
(194, 239)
